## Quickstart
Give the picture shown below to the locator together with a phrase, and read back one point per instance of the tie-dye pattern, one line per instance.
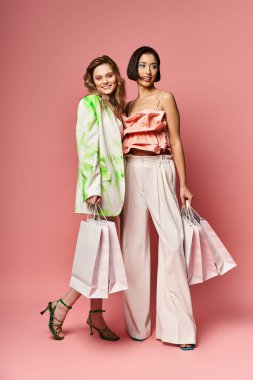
(101, 165)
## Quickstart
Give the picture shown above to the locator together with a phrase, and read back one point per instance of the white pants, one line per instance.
(150, 188)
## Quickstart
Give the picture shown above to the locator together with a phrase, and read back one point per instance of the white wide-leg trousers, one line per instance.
(150, 188)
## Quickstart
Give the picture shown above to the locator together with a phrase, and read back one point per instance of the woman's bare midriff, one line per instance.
(140, 152)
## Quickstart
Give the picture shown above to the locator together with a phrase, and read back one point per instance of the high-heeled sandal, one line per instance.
(188, 347)
(55, 328)
(106, 333)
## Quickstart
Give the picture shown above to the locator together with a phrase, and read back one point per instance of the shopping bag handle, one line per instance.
(97, 207)
(189, 212)
(95, 214)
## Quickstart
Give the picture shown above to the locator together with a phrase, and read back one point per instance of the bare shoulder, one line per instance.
(167, 97)
(168, 101)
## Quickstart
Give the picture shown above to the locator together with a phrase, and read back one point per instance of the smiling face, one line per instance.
(147, 70)
(104, 79)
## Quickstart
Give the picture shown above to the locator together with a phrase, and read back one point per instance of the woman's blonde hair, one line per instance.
(117, 98)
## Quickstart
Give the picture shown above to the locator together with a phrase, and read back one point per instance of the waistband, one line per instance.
(158, 158)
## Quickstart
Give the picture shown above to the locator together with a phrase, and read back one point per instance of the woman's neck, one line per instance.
(143, 92)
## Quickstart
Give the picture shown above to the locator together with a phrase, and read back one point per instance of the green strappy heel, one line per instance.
(55, 328)
(106, 333)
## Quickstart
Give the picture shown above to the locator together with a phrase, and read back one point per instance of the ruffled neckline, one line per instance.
(145, 111)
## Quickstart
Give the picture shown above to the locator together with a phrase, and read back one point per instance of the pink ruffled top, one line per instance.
(146, 130)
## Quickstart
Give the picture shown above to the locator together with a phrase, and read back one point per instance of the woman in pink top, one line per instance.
(153, 150)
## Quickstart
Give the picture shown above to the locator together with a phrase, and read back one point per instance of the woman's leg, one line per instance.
(97, 318)
(61, 311)
(72, 296)
(174, 322)
(96, 304)
(69, 299)
(136, 253)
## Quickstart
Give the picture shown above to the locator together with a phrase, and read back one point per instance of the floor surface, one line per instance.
(29, 352)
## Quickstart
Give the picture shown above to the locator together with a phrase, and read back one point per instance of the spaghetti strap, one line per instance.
(158, 101)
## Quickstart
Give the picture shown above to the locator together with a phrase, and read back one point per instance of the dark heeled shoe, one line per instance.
(106, 333)
(55, 328)
(188, 347)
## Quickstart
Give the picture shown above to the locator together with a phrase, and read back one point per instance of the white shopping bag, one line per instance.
(98, 267)
(117, 274)
(87, 255)
(223, 260)
(215, 258)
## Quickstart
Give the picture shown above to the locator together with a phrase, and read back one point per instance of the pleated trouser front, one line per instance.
(150, 189)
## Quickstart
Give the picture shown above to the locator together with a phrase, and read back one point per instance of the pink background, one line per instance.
(206, 54)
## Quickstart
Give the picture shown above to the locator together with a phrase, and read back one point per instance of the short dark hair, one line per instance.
(132, 68)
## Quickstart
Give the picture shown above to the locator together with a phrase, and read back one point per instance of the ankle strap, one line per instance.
(69, 307)
(97, 311)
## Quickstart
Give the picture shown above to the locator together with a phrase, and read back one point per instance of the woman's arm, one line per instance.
(87, 139)
(173, 120)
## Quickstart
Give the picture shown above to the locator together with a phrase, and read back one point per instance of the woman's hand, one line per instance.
(95, 199)
(185, 194)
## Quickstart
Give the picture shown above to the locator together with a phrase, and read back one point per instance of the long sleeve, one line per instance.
(87, 139)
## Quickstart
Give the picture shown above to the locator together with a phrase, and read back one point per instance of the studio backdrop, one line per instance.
(206, 62)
